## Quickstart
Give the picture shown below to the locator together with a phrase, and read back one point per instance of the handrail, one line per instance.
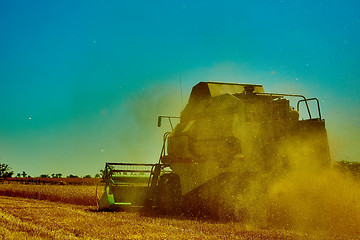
(304, 99)
(310, 99)
(163, 149)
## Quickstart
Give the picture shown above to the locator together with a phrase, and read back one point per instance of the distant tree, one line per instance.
(105, 173)
(5, 171)
(349, 167)
(44, 176)
(8, 174)
(87, 176)
(23, 174)
(56, 175)
(97, 175)
(72, 176)
(3, 168)
(18, 174)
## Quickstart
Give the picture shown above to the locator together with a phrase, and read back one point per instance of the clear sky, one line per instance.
(82, 82)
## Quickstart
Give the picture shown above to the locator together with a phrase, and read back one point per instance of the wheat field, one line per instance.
(70, 212)
(23, 218)
(86, 195)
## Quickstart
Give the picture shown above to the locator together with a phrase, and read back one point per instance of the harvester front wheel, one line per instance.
(169, 194)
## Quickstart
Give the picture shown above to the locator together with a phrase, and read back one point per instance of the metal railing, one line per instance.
(304, 99)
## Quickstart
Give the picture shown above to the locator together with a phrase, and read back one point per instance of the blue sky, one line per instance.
(82, 82)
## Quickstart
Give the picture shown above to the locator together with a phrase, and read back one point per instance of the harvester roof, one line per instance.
(205, 90)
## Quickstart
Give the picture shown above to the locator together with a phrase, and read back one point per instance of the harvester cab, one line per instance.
(227, 133)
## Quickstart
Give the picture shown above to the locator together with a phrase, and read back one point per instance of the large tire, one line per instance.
(169, 194)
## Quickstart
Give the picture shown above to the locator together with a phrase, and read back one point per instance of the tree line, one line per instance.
(5, 172)
(352, 168)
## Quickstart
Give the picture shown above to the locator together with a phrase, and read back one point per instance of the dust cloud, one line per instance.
(315, 201)
(305, 197)
(140, 139)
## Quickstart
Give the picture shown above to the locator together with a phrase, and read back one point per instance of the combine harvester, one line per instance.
(227, 136)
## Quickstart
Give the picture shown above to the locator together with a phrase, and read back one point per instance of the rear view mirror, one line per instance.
(159, 121)
(168, 117)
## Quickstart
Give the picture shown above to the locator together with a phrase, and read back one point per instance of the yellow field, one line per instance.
(22, 218)
(55, 218)
(86, 195)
